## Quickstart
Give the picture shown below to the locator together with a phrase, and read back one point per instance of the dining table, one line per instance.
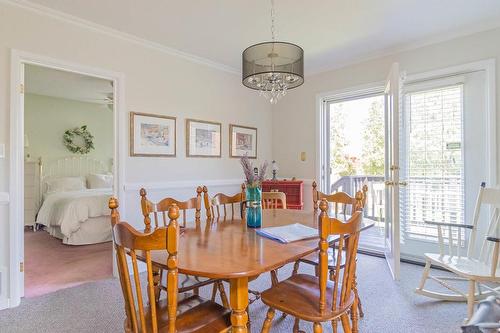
(227, 249)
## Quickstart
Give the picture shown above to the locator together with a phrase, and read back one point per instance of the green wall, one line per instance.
(47, 118)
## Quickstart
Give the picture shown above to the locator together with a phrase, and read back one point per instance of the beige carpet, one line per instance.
(389, 306)
(49, 265)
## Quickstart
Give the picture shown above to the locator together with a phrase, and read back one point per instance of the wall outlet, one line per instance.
(303, 156)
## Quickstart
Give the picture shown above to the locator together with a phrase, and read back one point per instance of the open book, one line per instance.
(289, 233)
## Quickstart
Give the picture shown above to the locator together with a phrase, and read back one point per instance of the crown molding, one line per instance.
(441, 38)
(67, 18)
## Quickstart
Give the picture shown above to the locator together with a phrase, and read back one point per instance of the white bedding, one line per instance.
(66, 211)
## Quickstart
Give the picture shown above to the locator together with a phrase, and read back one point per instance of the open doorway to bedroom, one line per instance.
(69, 144)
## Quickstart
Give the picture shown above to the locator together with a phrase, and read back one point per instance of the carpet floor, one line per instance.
(50, 265)
(389, 306)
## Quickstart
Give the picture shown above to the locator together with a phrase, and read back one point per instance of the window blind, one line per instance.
(433, 155)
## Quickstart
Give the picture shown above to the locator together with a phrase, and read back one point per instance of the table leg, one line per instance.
(239, 303)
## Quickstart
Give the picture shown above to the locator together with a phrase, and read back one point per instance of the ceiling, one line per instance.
(333, 33)
(61, 84)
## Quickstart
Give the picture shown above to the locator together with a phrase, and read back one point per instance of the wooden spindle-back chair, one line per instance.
(273, 200)
(213, 205)
(342, 202)
(172, 314)
(479, 265)
(318, 299)
(343, 206)
(159, 210)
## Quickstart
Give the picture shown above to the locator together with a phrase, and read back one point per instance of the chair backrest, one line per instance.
(160, 209)
(489, 200)
(212, 205)
(342, 202)
(273, 200)
(141, 315)
(348, 233)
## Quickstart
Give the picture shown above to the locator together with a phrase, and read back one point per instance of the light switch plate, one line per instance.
(303, 156)
(2, 150)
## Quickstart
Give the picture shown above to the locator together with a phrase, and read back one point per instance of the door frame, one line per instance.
(16, 172)
(322, 123)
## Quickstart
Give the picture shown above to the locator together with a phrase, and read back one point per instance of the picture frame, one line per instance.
(242, 141)
(203, 138)
(152, 135)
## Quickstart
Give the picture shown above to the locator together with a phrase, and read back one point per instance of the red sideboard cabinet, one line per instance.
(292, 188)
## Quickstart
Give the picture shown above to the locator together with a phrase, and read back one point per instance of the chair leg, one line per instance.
(317, 328)
(295, 268)
(269, 319)
(470, 299)
(214, 292)
(345, 323)
(356, 295)
(223, 296)
(425, 274)
(335, 323)
(296, 325)
(354, 316)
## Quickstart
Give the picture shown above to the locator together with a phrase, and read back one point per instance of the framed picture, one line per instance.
(242, 141)
(203, 138)
(152, 135)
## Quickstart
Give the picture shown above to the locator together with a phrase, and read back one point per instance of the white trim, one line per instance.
(488, 66)
(336, 95)
(133, 187)
(82, 23)
(211, 183)
(16, 176)
(465, 32)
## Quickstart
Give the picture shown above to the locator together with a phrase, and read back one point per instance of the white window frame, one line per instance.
(323, 124)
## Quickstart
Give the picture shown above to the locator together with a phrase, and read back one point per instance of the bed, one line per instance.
(74, 194)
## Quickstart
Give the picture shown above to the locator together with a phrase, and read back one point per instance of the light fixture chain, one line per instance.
(273, 31)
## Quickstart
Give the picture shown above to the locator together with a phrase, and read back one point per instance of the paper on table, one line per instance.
(289, 233)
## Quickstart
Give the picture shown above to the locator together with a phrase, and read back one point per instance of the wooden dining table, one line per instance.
(227, 249)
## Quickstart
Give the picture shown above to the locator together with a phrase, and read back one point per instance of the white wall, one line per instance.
(156, 82)
(47, 118)
(294, 117)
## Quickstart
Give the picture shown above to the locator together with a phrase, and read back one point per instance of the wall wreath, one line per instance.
(78, 140)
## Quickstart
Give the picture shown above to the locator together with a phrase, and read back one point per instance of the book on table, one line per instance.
(289, 233)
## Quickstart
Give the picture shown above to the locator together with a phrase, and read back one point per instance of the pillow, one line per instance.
(64, 184)
(96, 180)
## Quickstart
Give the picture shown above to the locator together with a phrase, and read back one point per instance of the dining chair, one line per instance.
(343, 206)
(159, 211)
(273, 200)
(318, 299)
(213, 205)
(187, 313)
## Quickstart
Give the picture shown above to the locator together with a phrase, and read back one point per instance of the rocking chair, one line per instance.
(476, 269)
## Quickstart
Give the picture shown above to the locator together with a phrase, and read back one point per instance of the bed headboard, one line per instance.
(74, 166)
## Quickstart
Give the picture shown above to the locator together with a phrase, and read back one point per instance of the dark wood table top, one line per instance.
(227, 249)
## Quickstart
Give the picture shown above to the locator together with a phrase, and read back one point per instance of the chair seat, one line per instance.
(313, 259)
(299, 296)
(465, 267)
(194, 314)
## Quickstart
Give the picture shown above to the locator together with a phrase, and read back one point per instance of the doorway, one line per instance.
(357, 144)
(422, 144)
(68, 179)
(19, 61)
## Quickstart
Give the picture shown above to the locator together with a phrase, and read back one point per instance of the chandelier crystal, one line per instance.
(273, 67)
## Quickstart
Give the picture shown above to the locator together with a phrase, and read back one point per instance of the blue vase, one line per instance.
(254, 208)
